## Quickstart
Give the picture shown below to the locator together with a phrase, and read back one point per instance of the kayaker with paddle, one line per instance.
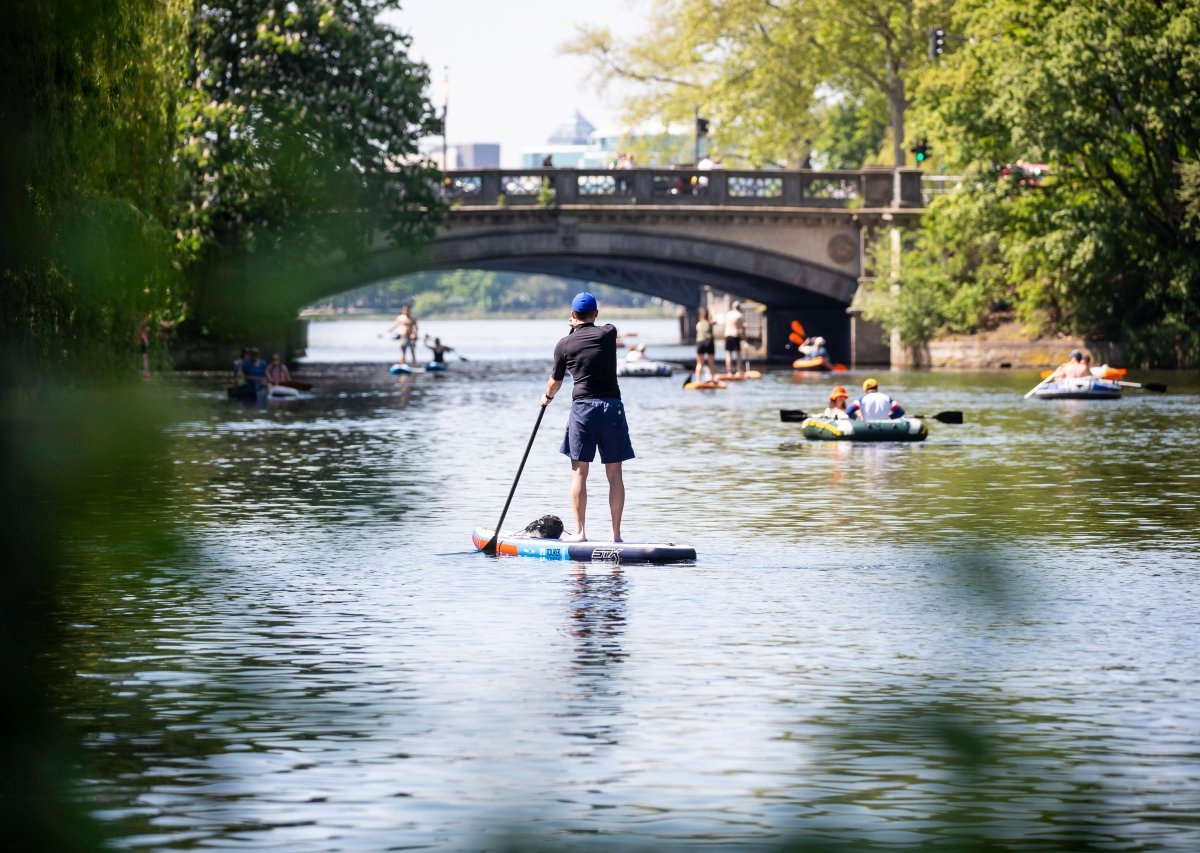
(597, 419)
(874, 405)
(837, 404)
(439, 349)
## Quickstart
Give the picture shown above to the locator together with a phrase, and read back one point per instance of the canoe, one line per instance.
(1083, 388)
(247, 391)
(738, 377)
(397, 369)
(818, 362)
(707, 385)
(585, 552)
(644, 368)
(829, 429)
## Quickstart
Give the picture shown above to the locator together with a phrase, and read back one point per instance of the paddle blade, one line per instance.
(839, 368)
(490, 546)
(792, 416)
(798, 329)
(1154, 386)
(796, 339)
(1046, 374)
(949, 417)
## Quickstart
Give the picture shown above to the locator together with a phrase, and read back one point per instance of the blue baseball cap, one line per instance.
(584, 303)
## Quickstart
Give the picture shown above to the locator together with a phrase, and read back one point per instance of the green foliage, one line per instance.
(88, 178)
(767, 74)
(1108, 94)
(300, 127)
(476, 293)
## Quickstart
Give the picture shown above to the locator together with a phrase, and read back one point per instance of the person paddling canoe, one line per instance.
(597, 419)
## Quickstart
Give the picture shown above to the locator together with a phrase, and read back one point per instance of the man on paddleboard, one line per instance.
(597, 418)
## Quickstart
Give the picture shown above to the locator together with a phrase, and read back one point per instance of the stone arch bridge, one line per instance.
(793, 241)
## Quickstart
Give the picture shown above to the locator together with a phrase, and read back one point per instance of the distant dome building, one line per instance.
(575, 131)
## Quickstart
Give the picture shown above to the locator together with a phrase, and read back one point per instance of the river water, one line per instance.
(992, 637)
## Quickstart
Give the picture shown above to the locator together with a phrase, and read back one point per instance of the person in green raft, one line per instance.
(597, 420)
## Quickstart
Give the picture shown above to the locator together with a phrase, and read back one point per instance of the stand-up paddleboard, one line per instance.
(283, 392)
(708, 385)
(516, 544)
(435, 366)
(398, 369)
(738, 377)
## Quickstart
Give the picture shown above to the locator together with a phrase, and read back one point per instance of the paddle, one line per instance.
(1035, 388)
(798, 329)
(1149, 386)
(796, 415)
(490, 547)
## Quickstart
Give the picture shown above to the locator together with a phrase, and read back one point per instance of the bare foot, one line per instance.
(575, 537)
(617, 539)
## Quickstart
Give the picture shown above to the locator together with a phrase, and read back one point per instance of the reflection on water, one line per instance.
(984, 638)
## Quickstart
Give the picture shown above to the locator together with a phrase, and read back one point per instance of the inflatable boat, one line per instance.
(644, 368)
(817, 363)
(1082, 388)
(830, 429)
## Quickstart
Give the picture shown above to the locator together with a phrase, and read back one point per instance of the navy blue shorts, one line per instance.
(597, 422)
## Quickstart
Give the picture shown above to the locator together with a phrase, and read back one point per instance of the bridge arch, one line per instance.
(673, 255)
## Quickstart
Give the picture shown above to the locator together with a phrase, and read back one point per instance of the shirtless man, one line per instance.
(406, 326)
(1074, 368)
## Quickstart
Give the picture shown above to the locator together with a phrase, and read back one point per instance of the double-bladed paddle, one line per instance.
(796, 415)
(490, 547)
(1148, 386)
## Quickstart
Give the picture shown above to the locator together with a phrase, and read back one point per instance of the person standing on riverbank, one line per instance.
(406, 328)
(597, 419)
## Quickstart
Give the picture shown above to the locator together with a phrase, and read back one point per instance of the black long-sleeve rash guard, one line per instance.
(590, 354)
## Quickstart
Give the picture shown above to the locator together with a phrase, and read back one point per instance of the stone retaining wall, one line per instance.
(977, 352)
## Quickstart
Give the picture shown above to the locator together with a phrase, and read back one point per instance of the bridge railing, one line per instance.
(873, 188)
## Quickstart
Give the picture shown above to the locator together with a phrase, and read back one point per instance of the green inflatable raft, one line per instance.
(828, 429)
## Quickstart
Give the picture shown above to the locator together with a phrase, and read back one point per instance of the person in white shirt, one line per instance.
(874, 405)
(735, 329)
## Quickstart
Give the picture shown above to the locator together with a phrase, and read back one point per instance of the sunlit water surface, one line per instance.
(990, 635)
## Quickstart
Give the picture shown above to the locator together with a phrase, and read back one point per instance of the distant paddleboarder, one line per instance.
(597, 418)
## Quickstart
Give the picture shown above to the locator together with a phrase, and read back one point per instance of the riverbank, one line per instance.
(1007, 346)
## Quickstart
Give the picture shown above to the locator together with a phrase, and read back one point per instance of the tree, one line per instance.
(1107, 94)
(766, 72)
(300, 131)
(87, 178)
